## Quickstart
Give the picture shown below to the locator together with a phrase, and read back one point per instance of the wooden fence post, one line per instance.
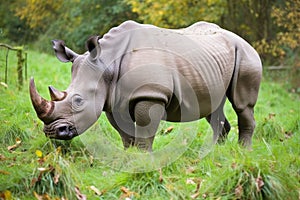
(20, 68)
(20, 64)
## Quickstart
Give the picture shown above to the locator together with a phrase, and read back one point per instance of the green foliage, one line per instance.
(286, 17)
(176, 14)
(71, 20)
(12, 29)
(38, 14)
(271, 26)
(262, 23)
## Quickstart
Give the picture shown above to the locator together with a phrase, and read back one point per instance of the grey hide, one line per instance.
(142, 74)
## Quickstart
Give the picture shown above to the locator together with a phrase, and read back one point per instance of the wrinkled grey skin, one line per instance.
(141, 74)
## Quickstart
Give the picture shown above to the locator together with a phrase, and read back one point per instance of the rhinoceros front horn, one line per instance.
(42, 106)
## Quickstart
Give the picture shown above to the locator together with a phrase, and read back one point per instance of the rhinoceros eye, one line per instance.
(77, 102)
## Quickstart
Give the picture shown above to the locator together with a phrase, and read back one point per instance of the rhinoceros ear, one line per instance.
(93, 47)
(63, 53)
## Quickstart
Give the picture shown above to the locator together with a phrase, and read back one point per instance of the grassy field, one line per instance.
(32, 166)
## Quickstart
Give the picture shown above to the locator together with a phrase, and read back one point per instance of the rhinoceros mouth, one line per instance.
(61, 132)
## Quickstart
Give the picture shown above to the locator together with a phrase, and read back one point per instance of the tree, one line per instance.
(38, 14)
(271, 26)
(176, 14)
(12, 29)
(71, 20)
(249, 18)
(287, 36)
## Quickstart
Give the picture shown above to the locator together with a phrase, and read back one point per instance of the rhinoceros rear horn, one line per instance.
(42, 107)
(56, 95)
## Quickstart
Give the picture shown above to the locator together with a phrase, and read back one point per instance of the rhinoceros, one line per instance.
(140, 74)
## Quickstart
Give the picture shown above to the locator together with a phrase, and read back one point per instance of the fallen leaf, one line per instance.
(288, 134)
(79, 195)
(12, 147)
(91, 158)
(4, 172)
(11, 164)
(4, 84)
(198, 181)
(272, 115)
(16, 145)
(238, 191)
(18, 141)
(127, 193)
(58, 150)
(190, 181)
(33, 182)
(5, 195)
(197, 193)
(42, 169)
(259, 183)
(194, 196)
(41, 160)
(124, 190)
(2, 157)
(218, 165)
(41, 197)
(233, 165)
(190, 170)
(168, 130)
(96, 190)
(56, 178)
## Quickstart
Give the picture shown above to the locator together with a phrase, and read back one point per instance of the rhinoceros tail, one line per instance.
(236, 68)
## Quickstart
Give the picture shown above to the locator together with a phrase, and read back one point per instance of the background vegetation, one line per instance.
(272, 26)
(32, 166)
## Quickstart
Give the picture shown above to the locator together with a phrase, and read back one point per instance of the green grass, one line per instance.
(270, 171)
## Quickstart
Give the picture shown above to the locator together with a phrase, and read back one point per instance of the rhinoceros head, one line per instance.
(70, 112)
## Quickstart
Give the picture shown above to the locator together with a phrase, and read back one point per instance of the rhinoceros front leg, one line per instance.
(147, 116)
(219, 123)
(125, 128)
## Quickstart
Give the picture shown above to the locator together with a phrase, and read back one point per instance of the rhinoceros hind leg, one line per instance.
(147, 116)
(219, 123)
(246, 125)
(243, 100)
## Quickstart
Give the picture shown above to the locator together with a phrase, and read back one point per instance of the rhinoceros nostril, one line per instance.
(63, 130)
(66, 132)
